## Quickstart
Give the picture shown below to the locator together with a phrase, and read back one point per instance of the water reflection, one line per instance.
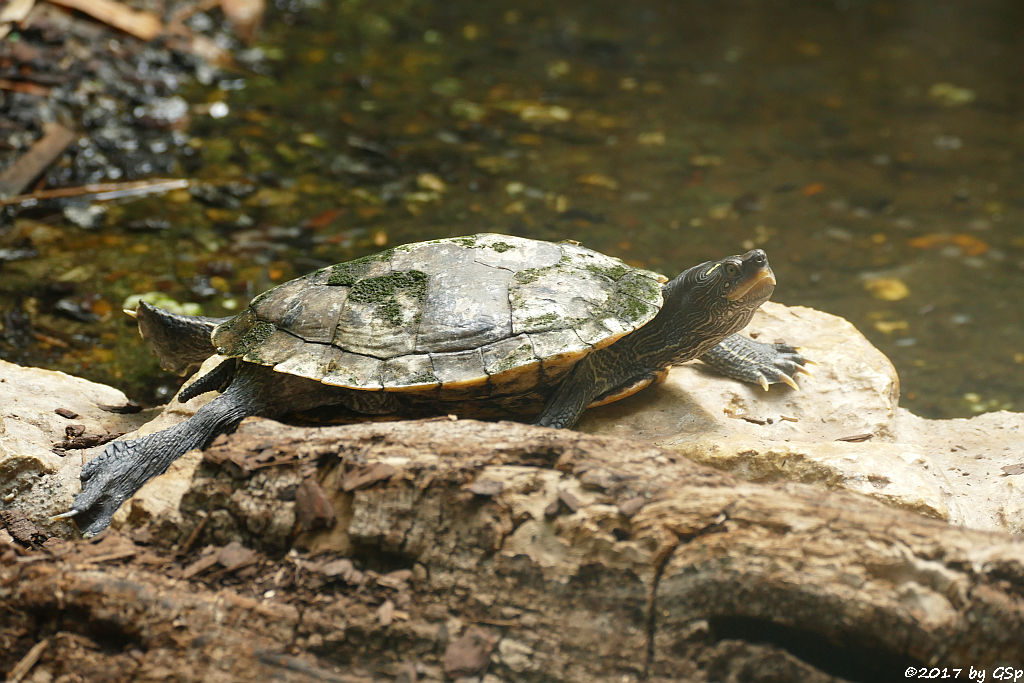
(872, 148)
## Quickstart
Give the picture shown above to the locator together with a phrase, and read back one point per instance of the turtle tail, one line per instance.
(181, 342)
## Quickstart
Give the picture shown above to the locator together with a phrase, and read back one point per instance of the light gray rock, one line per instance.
(33, 477)
(949, 469)
(959, 470)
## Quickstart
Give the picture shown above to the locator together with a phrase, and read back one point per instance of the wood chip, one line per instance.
(199, 566)
(16, 10)
(397, 580)
(470, 654)
(234, 556)
(631, 506)
(485, 487)
(13, 12)
(364, 477)
(569, 500)
(386, 613)
(21, 528)
(342, 569)
(128, 408)
(313, 507)
(855, 438)
(64, 412)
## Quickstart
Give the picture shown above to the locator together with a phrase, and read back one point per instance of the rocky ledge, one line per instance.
(843, 430)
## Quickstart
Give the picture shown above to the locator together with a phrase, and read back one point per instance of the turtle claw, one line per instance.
(786, 379)
(64, 515)
(756, 362)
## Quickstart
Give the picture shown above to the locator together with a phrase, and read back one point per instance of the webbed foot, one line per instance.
(115, 475)
(756, 362)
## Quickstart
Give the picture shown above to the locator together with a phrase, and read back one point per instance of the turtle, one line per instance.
(448, 326)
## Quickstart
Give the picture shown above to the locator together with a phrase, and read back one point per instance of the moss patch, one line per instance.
(520, 356)
(257, 333)
(422, 378)
(541, 321)
(501, 247)
(390, 294)
(350, 272)
(468, 242)
(613, 273)
(528, 275)
(640, 287)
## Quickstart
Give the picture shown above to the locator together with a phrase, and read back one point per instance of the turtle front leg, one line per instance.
(746, 360)
(596, 375)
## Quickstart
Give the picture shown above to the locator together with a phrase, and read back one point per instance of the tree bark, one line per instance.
(454, 548)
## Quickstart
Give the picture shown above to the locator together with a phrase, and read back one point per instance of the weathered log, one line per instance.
(541, 555)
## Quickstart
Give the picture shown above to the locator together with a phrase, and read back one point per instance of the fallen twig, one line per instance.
(26, 87)
(102, 191)
(36, 160)
(28, 661)
(141, 24)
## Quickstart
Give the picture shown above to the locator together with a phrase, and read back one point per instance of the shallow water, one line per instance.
(872, 149)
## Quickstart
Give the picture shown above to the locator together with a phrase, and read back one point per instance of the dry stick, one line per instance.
(103, 191)
(142, 25)
(28, 661)
(36, 160)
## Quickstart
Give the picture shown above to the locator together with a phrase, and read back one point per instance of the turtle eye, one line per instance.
(732, 270)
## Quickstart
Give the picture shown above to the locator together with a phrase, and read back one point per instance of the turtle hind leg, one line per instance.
(124, 466)
(746, 360)
(181, 342)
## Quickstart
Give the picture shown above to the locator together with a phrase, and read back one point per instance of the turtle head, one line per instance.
(711, 301)
(745, 280)
(731, 285)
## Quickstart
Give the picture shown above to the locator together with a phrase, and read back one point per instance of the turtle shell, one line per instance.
(481, 315)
